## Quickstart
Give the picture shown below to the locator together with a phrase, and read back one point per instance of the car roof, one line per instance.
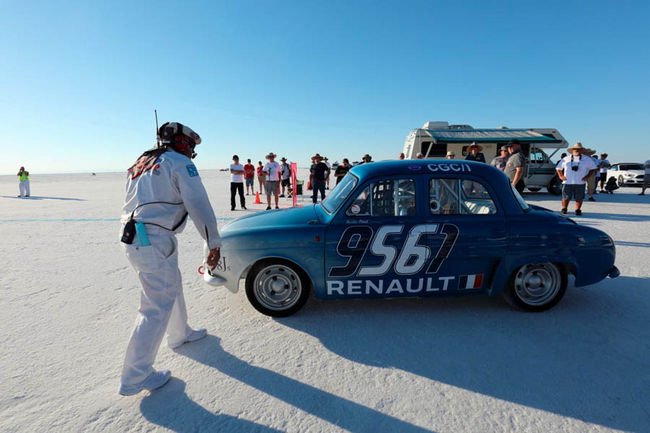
(423, 166)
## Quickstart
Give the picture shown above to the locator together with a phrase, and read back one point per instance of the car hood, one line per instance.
(271, 219)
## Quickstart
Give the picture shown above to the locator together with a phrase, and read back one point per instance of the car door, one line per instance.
(470, 233)
(364, 243)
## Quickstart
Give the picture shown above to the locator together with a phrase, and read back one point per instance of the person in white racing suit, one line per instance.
(163, 187)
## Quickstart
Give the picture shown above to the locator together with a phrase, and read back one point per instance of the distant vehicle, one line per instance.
(411, 229)
(434, 139)
(627, 173)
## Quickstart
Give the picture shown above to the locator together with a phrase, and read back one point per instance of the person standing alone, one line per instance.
(575, 171)
(23, 182)
(272, 170)
(249, 177)
(236, 183)
(319, 173)
(163, 188)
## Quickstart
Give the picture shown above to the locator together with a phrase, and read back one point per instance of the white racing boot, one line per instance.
(154, 381)
(195, 334)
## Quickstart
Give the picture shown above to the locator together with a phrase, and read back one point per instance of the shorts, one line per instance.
(603, 177)
(286, 182)
(249, 182)
(573, 192)
(272, 187)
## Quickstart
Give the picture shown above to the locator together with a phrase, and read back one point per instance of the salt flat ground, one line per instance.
(68, 299)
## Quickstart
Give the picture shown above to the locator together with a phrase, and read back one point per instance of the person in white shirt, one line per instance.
(603, 166)
(329, 169)
(163, 188)
(574, 172)
(646, 177)
(237, 183)
(273, 173)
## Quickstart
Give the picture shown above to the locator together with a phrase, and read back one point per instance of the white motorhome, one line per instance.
(539, 145)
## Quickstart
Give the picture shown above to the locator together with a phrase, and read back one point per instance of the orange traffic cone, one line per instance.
(257, 198)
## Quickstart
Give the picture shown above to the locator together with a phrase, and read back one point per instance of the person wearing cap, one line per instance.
(237, 183)
(285, 169)
(23, 183)
(366, 159)
(249, 177)
(603, 166)
(475, 153)
(419, 155)
(515, 165)
(450, 155)
(342, 170)
(163, 188)
(273, 174)
(318, 173)
(574, 172)
(501, 159)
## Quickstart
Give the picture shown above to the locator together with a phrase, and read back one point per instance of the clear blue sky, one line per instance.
(80, 79)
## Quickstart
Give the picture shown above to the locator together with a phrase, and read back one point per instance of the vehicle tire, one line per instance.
(555, 186)
(536, 287)
(277, 287)
(534, 189)
(620, 181)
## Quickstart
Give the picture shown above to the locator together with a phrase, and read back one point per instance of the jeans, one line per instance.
(234, 188)
(318, 185)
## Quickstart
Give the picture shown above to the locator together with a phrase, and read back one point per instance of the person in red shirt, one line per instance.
(249, 176)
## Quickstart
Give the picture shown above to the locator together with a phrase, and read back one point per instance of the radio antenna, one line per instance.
(155, 112)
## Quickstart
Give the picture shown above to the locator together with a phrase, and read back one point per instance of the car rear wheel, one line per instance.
(536, 287)
(620, 181)
(277, 287)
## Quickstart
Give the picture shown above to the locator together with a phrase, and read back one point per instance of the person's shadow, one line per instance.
(170, 407)
(333, 409)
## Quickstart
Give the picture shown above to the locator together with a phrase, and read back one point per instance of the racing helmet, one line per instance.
(179, 137)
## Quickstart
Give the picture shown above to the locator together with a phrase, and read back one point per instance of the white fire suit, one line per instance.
(173, 180)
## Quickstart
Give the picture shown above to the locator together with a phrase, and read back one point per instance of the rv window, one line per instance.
(434, 150)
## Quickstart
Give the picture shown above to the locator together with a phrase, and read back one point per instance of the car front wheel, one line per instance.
(536, 287)
(620, 181)
(555, 186)
(277, 288)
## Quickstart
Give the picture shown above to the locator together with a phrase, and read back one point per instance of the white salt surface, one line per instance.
(68, 299)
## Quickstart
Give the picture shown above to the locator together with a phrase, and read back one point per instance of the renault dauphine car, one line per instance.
(411, 229)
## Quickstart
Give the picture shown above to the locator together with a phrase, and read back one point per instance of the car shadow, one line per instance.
(632, 244)
(585, 359)
(344, 413)
(628, 195)
(170, 407)
(35, 197)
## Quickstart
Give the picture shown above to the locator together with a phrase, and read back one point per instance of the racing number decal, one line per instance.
(353, 245)
(412, 258)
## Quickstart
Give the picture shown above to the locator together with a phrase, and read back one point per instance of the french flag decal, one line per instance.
(470, 281)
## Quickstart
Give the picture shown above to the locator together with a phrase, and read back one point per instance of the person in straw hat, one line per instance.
(273, 173)
(475, 153)
(366, 159)
(450, 155)
(319, 172)
(574, 171)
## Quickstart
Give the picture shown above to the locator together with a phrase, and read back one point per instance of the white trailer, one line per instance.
(539, 145)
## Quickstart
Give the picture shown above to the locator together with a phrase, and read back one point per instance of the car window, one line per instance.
(340, 193)
(391, 197)
(631, 167)
(459, 197)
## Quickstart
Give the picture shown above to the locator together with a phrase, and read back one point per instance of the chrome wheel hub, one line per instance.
(537, 284)
(277, 287)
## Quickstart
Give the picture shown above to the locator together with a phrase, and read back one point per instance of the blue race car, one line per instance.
(412, 228)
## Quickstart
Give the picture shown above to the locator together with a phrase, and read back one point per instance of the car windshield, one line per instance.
(340, 193)
(520, 199)
(624, 167)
